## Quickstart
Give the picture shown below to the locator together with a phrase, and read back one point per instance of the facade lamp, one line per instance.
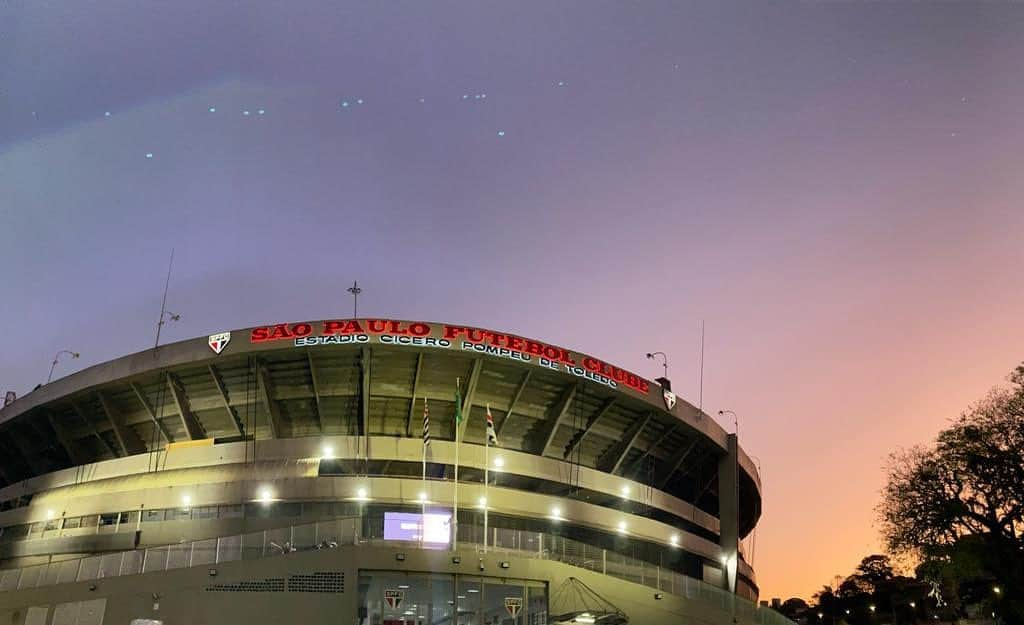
(56, 359)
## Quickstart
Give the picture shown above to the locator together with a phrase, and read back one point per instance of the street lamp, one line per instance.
(165, 316)
(997, 590)
(664, 360)
(735, 420)
(56, 357)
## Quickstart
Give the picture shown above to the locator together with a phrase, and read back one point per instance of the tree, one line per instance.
(959, 505)
(794, 609)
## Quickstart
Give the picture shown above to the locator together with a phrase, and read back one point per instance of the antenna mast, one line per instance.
(355, 291)
(163, 304)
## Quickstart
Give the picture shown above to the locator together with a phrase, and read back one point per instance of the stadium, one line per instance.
(371, 472)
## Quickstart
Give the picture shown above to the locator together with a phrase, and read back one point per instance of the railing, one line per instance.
(370, 531)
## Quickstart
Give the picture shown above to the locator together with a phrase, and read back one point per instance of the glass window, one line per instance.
(152, 515)
(230, 512)
(395, 598)
(205, 512)
(178, 514)
(73, 523)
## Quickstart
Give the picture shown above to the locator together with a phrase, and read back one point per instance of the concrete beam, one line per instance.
(677, 460)
(514, 401)
(192, 426)
(316, 392)
(127, 439)
(554, 417)
(728, 509)
(92, 427)
(266, 389)
(638, 463)
(629, 437)
(467, 399)
(66, 441)
(365, 360)
(600, 414)
(415, 389)
(223, 393)
(149, 411)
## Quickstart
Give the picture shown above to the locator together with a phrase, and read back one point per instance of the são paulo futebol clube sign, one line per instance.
(442, 336)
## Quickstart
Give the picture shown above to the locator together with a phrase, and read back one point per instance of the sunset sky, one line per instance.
(835, 188)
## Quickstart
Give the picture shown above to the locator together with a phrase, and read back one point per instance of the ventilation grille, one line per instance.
(271, 584)
(320, 581)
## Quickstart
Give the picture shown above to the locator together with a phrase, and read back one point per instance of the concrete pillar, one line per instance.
(728, 511)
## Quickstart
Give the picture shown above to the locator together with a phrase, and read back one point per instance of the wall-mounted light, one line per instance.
(482, 502)
(50, 514)
(400, 557)
(212, 572)
(186, 500)
(423, 496)
(266, 495)
(658, 596)
(504, 564)
(556, 513)
(674, 540)
(361, 493)
(327, 452)
(499, 462)
(625, 491)
(456, 560)
(622, 527)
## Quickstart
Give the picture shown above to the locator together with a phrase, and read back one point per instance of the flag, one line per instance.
(458, 406)
(492, 437)
(426, 424)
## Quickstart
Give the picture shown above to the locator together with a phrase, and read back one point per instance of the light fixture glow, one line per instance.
(499, 462)
(674, 540)
(50, 514)
(361, 492)
(482, 502)
(556, 513)
(186, 500)
(423, 495)
(625, 491)
(327, 452)
(622, 527)
(266, 495)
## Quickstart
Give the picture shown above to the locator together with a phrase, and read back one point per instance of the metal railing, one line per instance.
(370, 531)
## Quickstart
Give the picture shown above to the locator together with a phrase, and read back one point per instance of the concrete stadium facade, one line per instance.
(278, 473)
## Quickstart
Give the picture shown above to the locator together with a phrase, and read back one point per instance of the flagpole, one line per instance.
(487, 465)
(423, 500)
(455, 496)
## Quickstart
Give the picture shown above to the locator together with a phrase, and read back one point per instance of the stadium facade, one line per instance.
(280, 474)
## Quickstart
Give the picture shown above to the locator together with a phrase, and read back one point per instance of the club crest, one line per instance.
(219, 341)
(670, 398)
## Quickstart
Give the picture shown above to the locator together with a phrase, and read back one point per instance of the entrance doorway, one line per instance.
(399, 598)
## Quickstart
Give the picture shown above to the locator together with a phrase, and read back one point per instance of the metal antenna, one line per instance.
(163, 304)
(355, 291)
(700, 391)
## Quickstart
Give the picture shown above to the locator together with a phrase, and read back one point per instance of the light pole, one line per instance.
(56, 357)
(165, 316)
(355, 291)
(664, 360)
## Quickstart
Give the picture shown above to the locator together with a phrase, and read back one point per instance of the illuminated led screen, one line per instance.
(431, 528)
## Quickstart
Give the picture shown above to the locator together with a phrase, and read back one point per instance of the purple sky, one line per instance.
(835, 187)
